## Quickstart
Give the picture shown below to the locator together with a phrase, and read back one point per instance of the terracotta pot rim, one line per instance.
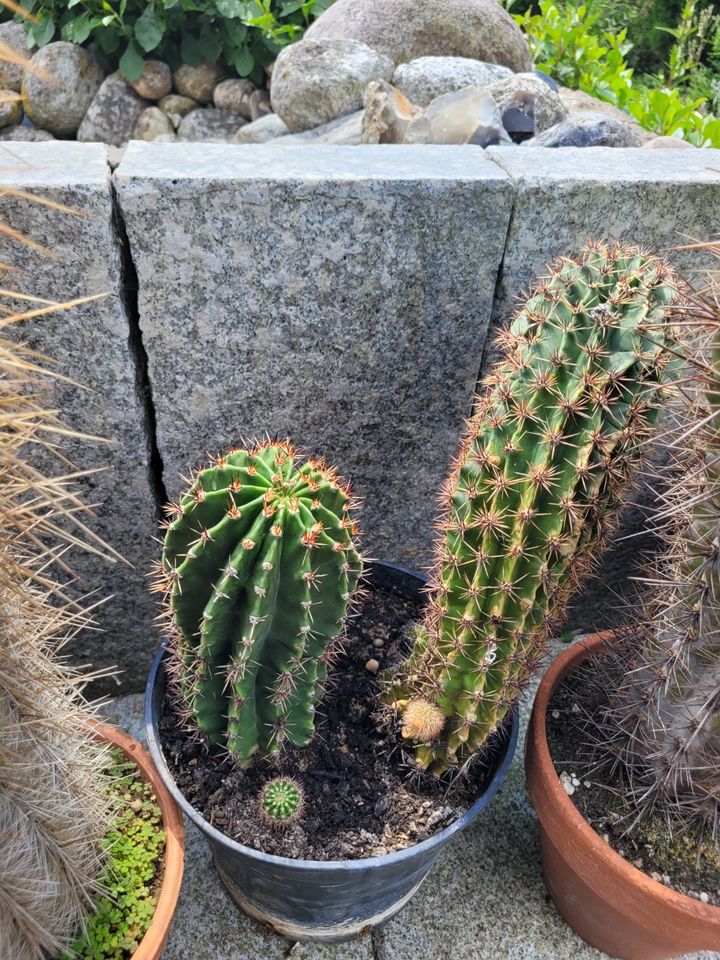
(153, 943)
(560, 667)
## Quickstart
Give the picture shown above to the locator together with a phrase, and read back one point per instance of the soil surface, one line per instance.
(679, 861)
(364, 796)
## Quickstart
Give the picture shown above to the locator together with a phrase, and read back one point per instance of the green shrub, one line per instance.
(242, 35)
(567, 42)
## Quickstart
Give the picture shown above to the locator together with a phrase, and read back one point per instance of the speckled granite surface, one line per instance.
(485, 900)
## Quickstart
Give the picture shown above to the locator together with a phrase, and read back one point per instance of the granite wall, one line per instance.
(338, 295)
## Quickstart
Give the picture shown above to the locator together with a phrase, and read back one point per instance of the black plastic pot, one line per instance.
(313, 899)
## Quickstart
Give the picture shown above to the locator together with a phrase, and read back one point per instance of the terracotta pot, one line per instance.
(153, 943)
(608, 902)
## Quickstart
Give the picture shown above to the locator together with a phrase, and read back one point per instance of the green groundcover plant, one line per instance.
(242, 35)
(569, 42)
(135, 847)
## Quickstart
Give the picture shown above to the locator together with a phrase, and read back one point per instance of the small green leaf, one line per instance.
(230, 8)
(149, 29)
(243, 61)
(42, 32)
(131, 62)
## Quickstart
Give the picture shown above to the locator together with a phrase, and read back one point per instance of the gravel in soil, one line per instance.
(596, 789)
(364, 796)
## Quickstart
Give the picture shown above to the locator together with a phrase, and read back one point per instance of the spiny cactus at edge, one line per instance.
(540, 474)
(258, 567)
(55, 806)
(664, 721)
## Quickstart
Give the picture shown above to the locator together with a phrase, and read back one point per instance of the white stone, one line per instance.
(425, 78)
(316, 81)
(260, 131)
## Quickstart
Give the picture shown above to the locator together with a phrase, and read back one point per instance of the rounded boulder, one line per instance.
(316, 81)
(406, 29)
(59, 92)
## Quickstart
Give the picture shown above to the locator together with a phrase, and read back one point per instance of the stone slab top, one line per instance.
(283, 162)
(607, 164)
(53, 163)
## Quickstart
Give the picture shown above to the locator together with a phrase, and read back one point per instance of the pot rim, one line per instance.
(578, 826)
(153, 941)
(397, 856)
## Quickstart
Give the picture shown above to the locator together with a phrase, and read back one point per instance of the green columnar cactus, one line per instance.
(281, 801)
(541, 470)
(258, 567)
(664, 722)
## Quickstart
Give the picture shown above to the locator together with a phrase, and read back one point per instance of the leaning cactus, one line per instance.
(258, 567)
(539, 476)
(664, 722)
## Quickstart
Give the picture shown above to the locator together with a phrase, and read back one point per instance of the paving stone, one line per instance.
(337, 295)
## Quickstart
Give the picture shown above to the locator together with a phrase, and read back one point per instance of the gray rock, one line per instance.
(259, 104)
(406, 29)
(345, 131)
(58, 95)
(91, 344)
(527, 104)
(465, 116)
(233, 96)
(176, 107)
(668, 143)
(11, 110)
(261, 130)
(13, 35)
(332, 259)
(197, 82)
(387, 114)
(577, 101)
(315, 81)
(156, 81)
(113, 114)
(210, 124)
(424, 79)
(587, 130)
(23, 134)
(152, 124)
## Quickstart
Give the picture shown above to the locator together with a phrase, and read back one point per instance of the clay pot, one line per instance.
(608, 902)
(153, 943)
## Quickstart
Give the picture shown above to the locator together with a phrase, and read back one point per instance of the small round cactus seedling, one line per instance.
(281, 801)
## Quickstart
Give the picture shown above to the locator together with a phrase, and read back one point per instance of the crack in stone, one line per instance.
(143, 385)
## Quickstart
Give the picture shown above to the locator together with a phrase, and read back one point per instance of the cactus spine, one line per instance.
(664, 721)
(541, 470)
(258, 567)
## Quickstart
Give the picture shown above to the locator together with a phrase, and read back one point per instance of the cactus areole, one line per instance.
(540, 473)
(258, 566)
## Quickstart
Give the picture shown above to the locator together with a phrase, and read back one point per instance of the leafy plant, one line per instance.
(567, 42)
(134, 847)
(242, 35)
(541, 471)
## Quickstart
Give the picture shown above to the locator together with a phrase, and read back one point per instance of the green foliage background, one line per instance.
(242, 35)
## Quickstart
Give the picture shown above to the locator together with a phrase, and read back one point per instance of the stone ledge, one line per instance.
(282, 162)
(53, 164)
